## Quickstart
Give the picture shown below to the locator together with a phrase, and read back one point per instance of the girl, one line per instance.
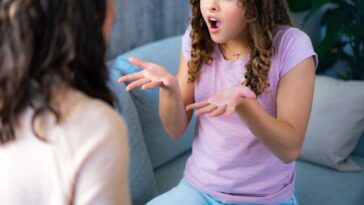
(54, 149)
(249, 76)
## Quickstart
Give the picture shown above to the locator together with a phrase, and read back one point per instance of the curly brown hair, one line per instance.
(45, 44)
(262, 16)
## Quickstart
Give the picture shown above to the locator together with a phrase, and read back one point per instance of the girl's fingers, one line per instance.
(219, 111)
(130, 77)
(138, 62)
(137, 83)
(197, 105)
(206, 109)
(152, 85)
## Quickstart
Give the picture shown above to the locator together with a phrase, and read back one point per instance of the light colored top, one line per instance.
(85, 160)
(227, 160)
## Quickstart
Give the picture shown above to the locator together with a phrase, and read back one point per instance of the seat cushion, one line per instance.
(325, 186)
(168, 175)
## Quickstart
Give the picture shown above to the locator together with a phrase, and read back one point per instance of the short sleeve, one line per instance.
(294, 47)
(187, 44)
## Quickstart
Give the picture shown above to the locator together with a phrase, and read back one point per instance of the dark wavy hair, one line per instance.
(45, 44)
(262, 16)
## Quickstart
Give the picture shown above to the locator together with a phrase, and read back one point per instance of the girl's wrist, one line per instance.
(246, 103)
(172, 85)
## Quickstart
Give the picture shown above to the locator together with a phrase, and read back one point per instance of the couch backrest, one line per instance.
(142, 184)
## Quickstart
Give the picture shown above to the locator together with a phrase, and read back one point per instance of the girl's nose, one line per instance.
(212, 5)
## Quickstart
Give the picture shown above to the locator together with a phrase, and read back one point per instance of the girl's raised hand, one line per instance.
(152, 75)
(223, 102)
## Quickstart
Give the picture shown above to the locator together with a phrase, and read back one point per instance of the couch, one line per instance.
(157, 161)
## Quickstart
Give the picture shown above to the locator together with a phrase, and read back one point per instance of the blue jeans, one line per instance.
(185, 194)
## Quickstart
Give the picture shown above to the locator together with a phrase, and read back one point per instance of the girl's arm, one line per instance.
(285, 134)
(175, 92)
(172, 105)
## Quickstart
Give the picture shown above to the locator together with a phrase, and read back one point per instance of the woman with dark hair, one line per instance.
(60, 140)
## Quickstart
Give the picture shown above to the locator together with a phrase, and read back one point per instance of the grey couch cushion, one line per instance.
(324, 186)
(168, 175)
(336, 123)
(142, 183)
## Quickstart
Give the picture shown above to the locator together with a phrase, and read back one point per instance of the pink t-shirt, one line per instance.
(84, 161)
(227, 160)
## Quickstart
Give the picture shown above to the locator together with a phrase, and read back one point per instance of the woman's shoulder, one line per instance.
(88, 119)
(82, 105)
(90, 136)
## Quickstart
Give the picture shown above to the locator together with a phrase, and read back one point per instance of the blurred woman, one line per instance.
(60, 140)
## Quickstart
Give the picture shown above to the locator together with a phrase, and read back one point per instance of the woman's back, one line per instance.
(82, 161)
(60, 140)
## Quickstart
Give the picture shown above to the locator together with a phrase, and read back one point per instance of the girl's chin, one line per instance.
(218, 39)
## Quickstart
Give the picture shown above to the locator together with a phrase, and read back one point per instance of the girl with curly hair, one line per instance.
(249, 76)
(61, 142)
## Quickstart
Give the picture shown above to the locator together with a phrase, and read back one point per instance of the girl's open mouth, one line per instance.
(214, 24)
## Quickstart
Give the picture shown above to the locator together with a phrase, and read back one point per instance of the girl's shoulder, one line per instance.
(291, 46)
(187, 43)
(288, 36)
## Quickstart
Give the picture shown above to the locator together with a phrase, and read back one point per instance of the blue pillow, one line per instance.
(359, 149)
(142, 182)
(162, 148)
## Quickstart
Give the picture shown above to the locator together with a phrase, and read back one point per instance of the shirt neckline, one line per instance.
(244, 59)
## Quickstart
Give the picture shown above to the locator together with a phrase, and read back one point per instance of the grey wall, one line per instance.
(142, 21)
